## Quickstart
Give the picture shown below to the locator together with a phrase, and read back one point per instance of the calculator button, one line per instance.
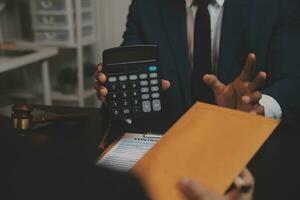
(126, 111)
(113, 87)
(114, 104)
(134, 93)
(112, 79)
(134, 85)
(154, 82)
(144, 90)
(143, 76)
(133, 77)
(125, 103)
(123, 86)
(135, 102)
(146, 106)
(155, 89)
(122, 78)
(152, 68)
(124, 95)
(144, 83)
(153, 75)
(155, 95)
(113, 95)
(145, 96)
(115, 112)
(137, 109)
(156, 105)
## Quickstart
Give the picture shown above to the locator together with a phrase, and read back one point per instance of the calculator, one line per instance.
(133, 82)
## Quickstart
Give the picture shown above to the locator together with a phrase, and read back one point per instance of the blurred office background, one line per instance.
(49, 48)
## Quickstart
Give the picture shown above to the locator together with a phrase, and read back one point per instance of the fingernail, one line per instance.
(240, 182)
(184, 181)
(242, 185)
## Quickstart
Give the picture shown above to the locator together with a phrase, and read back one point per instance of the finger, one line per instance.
(165, 84)
(214, 83)
(252, 98)
(249, 68)
(97, 86)
(242, 185)
(103, 91)
(258, 82)
(99, 67)
(98, 71)
(247, 176)
(101, 98)
(191, 189)
(245, 181)
(258, 110)
(101, 78)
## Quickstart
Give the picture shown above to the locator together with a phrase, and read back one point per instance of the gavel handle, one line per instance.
(56, 118)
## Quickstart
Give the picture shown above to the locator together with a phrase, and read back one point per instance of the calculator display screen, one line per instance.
(130, 54)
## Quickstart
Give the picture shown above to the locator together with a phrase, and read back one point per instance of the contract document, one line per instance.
(123, 154)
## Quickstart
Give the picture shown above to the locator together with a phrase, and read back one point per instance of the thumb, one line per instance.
(165, 84)
(191, 189)
(213, 82)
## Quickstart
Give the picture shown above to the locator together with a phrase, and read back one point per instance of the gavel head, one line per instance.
(21, 117)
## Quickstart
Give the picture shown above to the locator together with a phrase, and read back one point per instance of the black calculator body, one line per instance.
(133, 82)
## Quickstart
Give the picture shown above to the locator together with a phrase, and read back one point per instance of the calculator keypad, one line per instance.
(134, 94)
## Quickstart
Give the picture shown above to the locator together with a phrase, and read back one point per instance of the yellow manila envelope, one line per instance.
(209, 144)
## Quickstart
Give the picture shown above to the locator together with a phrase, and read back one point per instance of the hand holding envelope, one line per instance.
(209, 144)
(194, 191)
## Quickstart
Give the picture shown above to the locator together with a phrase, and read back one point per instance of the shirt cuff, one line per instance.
(271, 106)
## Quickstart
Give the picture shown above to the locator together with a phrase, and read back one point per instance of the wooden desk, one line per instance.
(63, 165)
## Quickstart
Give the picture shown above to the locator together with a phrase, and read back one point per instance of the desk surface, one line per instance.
(87, 132)
(62, 166)
(47, 167)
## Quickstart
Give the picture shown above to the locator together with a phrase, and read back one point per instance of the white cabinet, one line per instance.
(58, 5)
(55, 21)
(66, 24)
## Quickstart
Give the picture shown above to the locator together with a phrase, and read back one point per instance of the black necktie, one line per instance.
(202, 54)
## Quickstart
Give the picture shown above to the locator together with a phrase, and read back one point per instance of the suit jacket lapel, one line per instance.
(233, 26)
(174, 16)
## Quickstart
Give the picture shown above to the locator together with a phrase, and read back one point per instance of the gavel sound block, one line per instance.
(22, 118)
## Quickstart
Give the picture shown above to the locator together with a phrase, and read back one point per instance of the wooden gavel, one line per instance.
(22, 118)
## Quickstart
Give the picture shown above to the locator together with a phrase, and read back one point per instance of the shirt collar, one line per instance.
(189, 3)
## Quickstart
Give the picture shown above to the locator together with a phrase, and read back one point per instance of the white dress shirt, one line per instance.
(215, 8)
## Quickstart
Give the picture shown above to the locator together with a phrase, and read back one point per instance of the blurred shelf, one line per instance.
(23, 94)
(85, 42)
(59, 96)
(77, 33)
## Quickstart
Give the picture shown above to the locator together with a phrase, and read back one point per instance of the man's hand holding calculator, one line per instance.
(102, 91)
(129, 82)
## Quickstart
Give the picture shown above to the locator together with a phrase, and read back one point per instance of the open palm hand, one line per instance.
(243, 93)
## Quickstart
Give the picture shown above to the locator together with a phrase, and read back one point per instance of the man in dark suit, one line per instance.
(269, 29)
(241, 54)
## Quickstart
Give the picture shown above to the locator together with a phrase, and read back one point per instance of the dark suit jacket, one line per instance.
(269, 28)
